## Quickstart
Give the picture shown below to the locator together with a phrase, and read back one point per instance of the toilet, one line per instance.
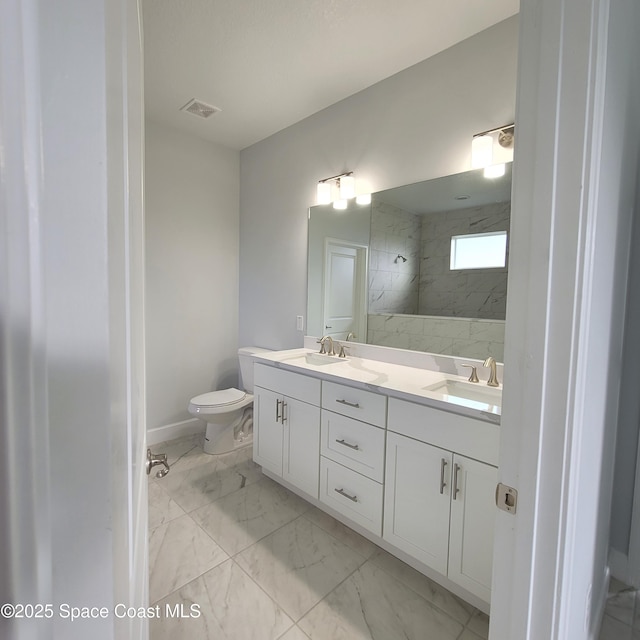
(229, 412)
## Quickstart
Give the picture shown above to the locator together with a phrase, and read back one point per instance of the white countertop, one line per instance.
(394, 380)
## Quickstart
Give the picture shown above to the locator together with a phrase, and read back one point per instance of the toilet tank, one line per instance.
(245, 356)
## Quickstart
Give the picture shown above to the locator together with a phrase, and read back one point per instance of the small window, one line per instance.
(479, 250)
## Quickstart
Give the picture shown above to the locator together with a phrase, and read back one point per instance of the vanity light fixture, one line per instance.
(338, 189)
(491, 149)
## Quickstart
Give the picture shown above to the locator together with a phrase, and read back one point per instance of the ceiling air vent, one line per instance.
(201, 109)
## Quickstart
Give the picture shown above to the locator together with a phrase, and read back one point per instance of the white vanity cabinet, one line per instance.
(418, 480)
(439, 505)
(417, 499)
(352, 461)
(286, 438)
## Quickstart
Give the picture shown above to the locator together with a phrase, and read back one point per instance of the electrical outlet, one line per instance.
(300, 323)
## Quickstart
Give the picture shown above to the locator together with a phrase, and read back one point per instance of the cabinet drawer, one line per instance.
(474, 438)
(353, 495)
(355, 403)
(356, 445)
(287, 383)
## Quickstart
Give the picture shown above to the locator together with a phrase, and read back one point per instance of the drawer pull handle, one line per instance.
(456, 468)
(342, 492)
(347, 444)
(355, 405)
(443, 465)
(277, 410)
(284, 417)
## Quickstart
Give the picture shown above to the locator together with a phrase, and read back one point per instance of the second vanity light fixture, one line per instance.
(338, 190)
(490, 150)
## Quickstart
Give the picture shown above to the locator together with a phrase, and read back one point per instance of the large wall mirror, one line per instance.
(423, 267)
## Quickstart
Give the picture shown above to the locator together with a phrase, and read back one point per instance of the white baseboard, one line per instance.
(175, 430)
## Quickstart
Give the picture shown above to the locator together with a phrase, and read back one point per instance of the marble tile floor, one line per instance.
(621, 619)
(263, 564)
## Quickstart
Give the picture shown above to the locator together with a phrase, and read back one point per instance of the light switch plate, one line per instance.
(300, 323)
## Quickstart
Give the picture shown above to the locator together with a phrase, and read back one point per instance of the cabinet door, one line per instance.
(473, 514)
(268, 430)
(301, 462)
(417, 499)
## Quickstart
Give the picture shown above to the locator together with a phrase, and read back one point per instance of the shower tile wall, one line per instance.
(468, 293)
(464, 337)
(393, 283)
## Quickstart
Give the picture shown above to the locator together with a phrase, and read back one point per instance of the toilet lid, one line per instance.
(219, 398)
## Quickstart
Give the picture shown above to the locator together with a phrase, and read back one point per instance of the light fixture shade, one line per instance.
(340, 204)
(364, 198)
(324, 193)
(494, 171)
(347, 187)
(481, 151)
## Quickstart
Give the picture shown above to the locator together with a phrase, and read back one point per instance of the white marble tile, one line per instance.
(423, 586)
(179, 551)
(469, 635)
(487, 330)
(295, 633)
(232, 607)
(447, 327)
(348, 536)
(479, 623)
(613, 629)
(162, 508)
(238, 520)
(200, 485)
(183, 453)
(620, 604)
(298, 565)
(372, 605)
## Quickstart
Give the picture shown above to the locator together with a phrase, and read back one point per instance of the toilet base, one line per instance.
(220, 439)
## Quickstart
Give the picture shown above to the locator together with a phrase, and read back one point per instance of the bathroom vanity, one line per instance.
(405, 456)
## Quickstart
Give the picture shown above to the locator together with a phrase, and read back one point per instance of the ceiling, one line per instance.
(270, 63)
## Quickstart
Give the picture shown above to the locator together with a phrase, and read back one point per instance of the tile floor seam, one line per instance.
(304, 515)
(432, 604)
(267, 594)
(326, 595)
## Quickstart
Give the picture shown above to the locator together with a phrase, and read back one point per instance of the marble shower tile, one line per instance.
(423, 586)
(348, 536)
(242, 518)
(162, 508)
(298, 565)
(485, 330)
(372, 605)
(179, 551)
(205, 483)
(232, 607)
(469, 635)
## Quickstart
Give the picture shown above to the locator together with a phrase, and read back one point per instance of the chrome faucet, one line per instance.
(493, 376)
(323, 349)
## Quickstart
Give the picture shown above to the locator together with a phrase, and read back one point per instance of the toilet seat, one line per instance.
(222, 398)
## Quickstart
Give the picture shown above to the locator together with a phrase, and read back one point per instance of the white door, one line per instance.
(345, 290)
(75, 518)
(417, 495)
(473, 516)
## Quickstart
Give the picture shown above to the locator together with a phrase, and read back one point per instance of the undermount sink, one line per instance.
(322, 359)
(474, 395)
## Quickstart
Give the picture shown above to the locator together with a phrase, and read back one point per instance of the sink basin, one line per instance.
(469, 394)
(322, 359)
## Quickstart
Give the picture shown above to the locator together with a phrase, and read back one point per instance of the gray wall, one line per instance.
(191, 189)
(415, 125)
